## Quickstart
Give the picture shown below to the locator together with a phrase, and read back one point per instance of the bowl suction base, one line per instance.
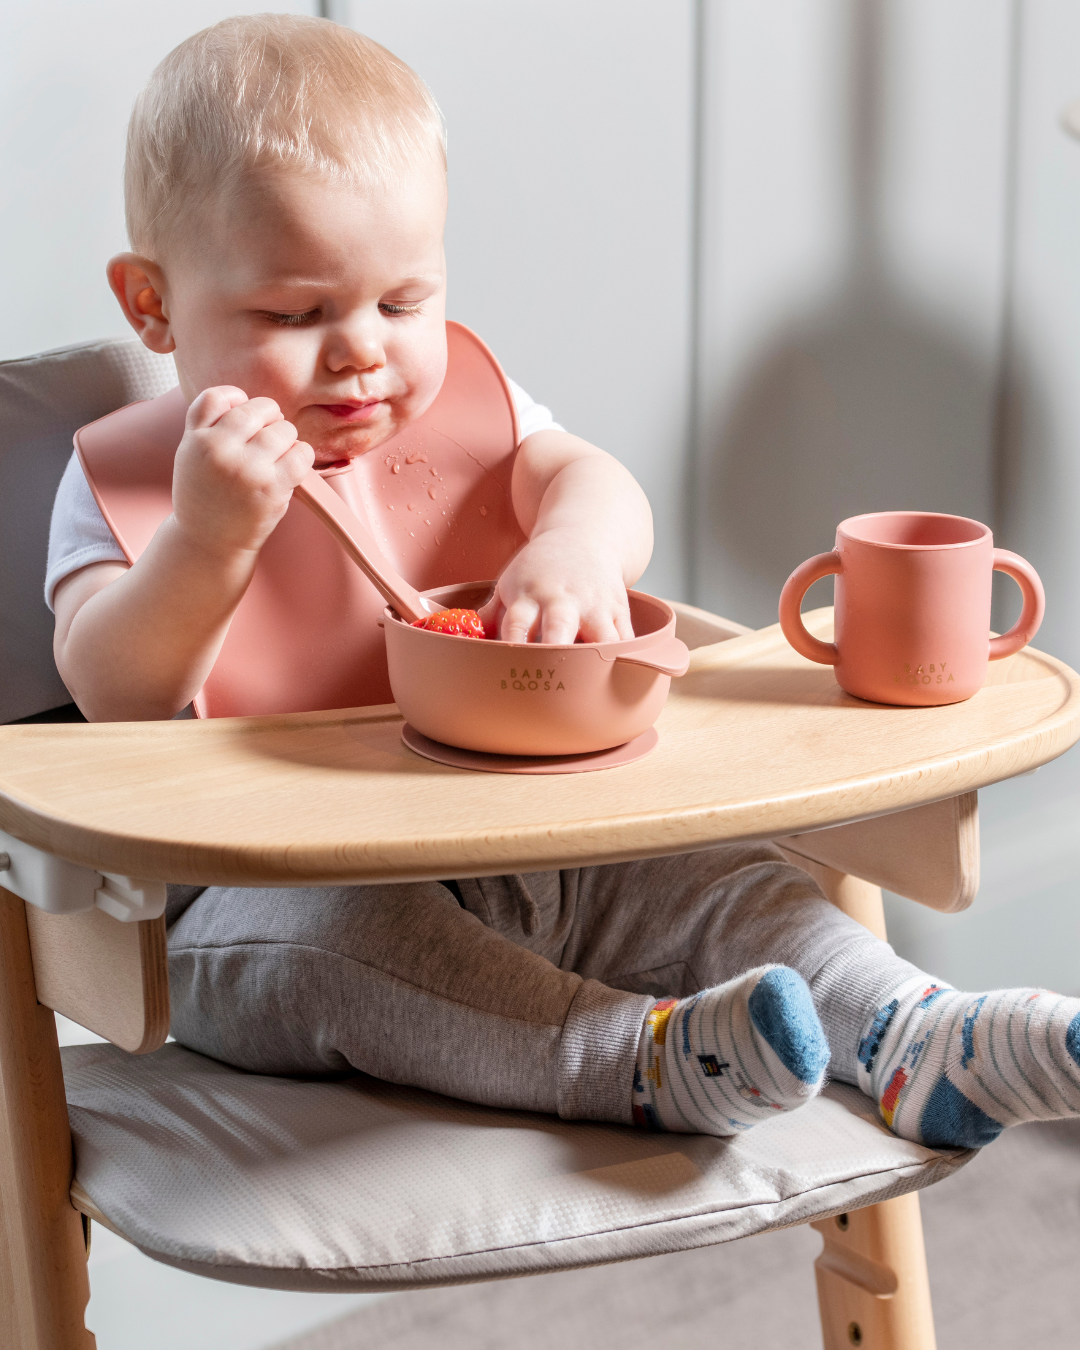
(638, 748)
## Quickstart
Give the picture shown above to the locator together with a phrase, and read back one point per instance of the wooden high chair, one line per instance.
(356, 1184)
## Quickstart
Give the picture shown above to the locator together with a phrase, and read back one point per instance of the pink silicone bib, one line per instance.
(306, 635)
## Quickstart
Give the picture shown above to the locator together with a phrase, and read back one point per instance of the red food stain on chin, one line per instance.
(455, 622)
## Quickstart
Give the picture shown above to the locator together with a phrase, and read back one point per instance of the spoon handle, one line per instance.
(317, 494)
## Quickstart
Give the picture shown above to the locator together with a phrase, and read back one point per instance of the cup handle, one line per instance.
(791, 597)
(1031, 616)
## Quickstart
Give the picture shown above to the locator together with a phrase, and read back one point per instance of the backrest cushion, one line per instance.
(44, 400)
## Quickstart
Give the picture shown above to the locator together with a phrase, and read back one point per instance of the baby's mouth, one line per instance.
(353, 412)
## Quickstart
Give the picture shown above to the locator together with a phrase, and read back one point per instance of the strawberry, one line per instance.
(456, 622)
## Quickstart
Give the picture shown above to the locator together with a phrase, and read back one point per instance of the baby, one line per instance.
(286, 192)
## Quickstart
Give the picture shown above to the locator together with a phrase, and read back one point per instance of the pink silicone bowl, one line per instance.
(509, 698)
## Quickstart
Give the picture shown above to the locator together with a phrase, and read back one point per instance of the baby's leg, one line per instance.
(402, 983)
(720, 937)
(405, 984)
(951, 1070)
(947, 1069)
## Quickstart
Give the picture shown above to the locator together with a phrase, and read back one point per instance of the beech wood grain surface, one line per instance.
(755, 742)
(108, 976)
(928, 853)
(43, 1281)
(872, 1280)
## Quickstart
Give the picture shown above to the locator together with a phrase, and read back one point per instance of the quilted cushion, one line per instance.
(356, 1184)
(44, 400)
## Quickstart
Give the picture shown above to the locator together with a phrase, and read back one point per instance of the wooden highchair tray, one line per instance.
(755, 742)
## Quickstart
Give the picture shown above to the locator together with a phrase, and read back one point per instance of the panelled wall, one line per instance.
(851, 273)
(888, 286)
(69, 72)
(789, 261)
(1025, 925)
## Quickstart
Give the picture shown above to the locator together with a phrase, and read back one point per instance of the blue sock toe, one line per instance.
(950, 1120)
(1072, 1039)
(783, 1012)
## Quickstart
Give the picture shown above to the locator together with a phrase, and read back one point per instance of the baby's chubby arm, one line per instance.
(138, 643)
(590, 537)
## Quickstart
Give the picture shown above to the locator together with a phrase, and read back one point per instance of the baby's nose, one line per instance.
(355, 349)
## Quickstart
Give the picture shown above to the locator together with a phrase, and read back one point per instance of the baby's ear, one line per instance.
(139, 285)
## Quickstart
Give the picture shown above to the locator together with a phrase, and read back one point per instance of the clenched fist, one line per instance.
(235, 470)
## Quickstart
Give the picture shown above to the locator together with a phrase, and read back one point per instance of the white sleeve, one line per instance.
(531, 416)
(78, 534)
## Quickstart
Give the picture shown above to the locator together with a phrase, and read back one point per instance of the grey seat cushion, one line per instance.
(357, 1184)
(44, 400)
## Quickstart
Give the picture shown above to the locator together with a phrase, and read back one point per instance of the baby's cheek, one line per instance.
(424, 374)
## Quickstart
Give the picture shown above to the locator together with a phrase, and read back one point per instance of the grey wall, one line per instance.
(889, 279)
(69, 72)
(852, 273)
(1025, 925)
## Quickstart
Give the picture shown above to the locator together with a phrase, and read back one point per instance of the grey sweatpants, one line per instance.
(528, 992)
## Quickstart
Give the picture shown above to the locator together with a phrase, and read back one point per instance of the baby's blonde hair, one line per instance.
(264, 90)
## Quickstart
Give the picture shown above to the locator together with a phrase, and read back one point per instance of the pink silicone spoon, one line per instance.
(317, 494)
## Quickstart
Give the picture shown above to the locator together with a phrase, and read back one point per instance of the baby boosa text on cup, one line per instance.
(927, 673)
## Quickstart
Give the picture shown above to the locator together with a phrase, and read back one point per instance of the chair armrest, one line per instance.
(699, 628)
(108, 976)
(928, 853)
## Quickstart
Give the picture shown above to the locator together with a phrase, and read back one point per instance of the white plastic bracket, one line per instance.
(130, 899)
(60, 887)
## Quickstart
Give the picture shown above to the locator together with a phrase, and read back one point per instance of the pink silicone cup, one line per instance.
(912, 607)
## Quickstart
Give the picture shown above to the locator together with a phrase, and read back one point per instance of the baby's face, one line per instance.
(325, 298)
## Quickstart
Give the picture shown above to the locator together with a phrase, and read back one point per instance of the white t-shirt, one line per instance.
(79, 536)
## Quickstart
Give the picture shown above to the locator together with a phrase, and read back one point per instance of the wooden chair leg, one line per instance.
(872, 1282)
(44, 1286)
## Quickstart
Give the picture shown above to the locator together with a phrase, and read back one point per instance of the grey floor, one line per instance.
(1003, 1239)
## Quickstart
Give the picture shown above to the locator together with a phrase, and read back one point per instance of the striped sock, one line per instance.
(951, 1070)
(722, 1060)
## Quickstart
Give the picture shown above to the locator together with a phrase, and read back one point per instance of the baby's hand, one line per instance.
(559, 587)
(235, 470)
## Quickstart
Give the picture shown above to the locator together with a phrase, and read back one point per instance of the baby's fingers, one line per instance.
(596, 629)
(295, 464)
(560, 623)
(519, 620)
(274, 440)
(212, 404)
(249, 421)
(601, 625)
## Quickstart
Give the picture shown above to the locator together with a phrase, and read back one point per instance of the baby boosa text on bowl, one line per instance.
(532, 680)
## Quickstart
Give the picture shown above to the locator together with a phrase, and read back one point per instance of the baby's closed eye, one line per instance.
(302, 320)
